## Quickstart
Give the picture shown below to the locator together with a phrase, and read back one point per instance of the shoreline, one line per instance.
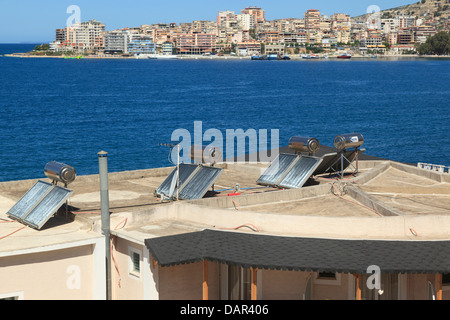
(215, 57)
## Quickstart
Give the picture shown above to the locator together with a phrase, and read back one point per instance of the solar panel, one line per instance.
(39, 204)
(277, 169)
(43, 211)
(186, 170)
(29, 199)
(300, 172)
(199, 183)
(328, 160)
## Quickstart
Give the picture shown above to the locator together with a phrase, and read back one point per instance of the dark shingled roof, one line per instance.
(306, 254)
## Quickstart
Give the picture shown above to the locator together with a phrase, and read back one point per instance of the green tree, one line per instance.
(437, 44)
(42, 47)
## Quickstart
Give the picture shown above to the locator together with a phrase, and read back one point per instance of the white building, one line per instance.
(116, 41)
(246, 21)
(83, 36)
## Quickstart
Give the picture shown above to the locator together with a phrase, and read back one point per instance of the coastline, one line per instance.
(228, 57)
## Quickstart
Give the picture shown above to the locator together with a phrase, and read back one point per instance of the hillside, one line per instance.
(421, 9)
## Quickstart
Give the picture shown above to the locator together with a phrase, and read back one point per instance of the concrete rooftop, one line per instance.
(385, 199)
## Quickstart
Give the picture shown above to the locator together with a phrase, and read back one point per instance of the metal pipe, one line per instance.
(105, 218)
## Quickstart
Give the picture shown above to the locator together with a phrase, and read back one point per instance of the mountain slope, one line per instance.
(421, 9)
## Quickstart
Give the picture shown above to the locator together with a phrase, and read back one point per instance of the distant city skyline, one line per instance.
(28, 21)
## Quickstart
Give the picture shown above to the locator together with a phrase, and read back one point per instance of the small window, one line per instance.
(327, 278)
(326, 275)
(134, 262)
(446, 279)
(136, 259)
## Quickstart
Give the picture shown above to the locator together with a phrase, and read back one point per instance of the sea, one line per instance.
(67, 110)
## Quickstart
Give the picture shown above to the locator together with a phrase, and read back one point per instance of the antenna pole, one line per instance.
(105, 216)
(178, 169)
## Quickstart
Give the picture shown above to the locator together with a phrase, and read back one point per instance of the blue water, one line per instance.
(69, 110)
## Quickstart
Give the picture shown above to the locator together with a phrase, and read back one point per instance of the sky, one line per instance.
(35, 21)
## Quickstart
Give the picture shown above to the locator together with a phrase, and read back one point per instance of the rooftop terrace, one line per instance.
(383, 200)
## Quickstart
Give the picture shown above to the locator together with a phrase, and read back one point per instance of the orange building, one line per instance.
(258, 13)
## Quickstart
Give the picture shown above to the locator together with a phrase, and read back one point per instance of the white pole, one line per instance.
(178, 168)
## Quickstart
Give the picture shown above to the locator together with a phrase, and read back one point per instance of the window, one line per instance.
(389, 288)
(327, 278)
(134, 262)
(327, 275)
(446, 279)
(238, 283)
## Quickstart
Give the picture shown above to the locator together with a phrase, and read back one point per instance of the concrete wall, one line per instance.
(184, 282)
(126, 285)
(53, 275)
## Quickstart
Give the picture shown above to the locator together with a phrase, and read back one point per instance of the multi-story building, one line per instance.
(248, 48)
(342, 35)
(141, 44)
(292, 37)
(196, 43)
(388, 25)
(204, 26)
(340, 20)
(269, 36)
(246, 21)
(312, 19)
(224, 16)
(314, 37)
(116, 41)
(421, 33)
(167, 48)
(82, 36)
(405, 36)
(324, 24)
(258, 13)
(404, 21)
(392, 38)
(275, 49)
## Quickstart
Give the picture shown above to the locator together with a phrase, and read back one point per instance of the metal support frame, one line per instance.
(342, 158)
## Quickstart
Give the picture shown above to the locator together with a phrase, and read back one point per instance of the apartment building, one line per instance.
(403, 21)
(116, 41)
(273, 48)
(141, 44)
(421, 33)
(269, 36)
(83, 36)
(258, 13)
(340, 21)
(248, 48)
(246, 21)
(312, 19)
(224, 16)
(293, 37)
(405, 36)
(196, 43)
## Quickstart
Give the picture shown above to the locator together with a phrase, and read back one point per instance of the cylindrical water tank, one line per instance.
(58, 171)
(206, 154)
(304, 144)
(349, 140)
